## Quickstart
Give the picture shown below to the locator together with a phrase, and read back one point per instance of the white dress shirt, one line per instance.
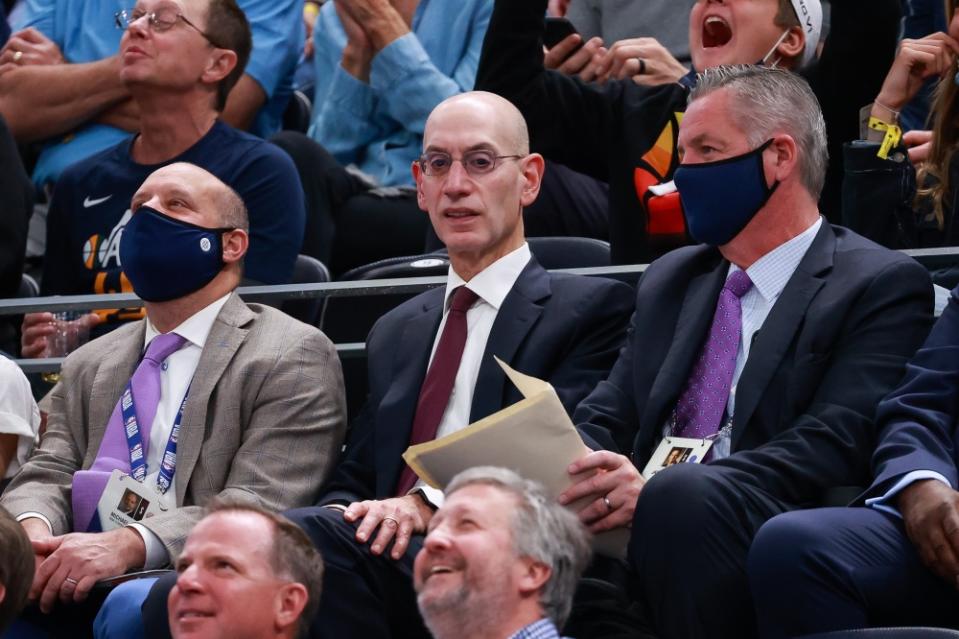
(176, 374)
(769, 275)
(19, 414)
(492, 285)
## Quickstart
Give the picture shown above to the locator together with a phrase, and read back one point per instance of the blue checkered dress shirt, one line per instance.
(542, 629)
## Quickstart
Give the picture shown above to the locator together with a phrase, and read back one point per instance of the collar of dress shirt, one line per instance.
(542, 629)
(195, 328)
(494, 282)
(770, 273)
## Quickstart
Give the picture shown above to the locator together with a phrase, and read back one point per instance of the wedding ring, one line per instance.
(642, 66)
(69, 580)
(396, 523)
(17, 55)
(609, 506)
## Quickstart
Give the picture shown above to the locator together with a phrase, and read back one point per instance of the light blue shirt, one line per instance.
(85, 31)
(378, 127)
(769, 275)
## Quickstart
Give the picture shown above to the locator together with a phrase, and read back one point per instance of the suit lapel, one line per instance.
(692, 326)
(398, 407)
(776, 335)
(225, 337)
(111, 378)
(516, 317)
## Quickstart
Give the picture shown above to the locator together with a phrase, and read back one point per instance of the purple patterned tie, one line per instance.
(699, 410)
(114, 453)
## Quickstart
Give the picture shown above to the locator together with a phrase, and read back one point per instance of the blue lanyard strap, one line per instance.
(135, 442)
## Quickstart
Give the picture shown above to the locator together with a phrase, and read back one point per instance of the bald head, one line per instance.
(486, 109)
(219, 204)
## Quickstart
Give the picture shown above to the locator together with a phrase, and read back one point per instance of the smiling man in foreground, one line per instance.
(501, 560)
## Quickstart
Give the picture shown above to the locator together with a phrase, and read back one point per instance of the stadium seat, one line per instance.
(307, 270)
(298, 113)
(565, 252)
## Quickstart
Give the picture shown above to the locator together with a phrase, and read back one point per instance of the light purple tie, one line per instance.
(114, 453)
(700, 408)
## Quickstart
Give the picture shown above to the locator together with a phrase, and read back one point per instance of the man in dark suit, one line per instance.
(474, 178)
(774, 342)
(895, 561)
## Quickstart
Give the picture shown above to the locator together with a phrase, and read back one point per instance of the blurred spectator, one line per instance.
(16, 569)
(19, 420)
(380, 68)
(165, 70)
(501, 559)
(919, 19)
(229, 400)
(16, 203)
(894, 201)
(615, 20)
(59, 82)
(245, 572)
(625, 133)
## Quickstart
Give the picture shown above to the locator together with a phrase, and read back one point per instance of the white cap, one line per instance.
(809, 13)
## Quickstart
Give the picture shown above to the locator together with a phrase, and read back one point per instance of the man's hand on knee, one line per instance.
(609, 484)
(930, 510)
(397, 519)
(78, 560)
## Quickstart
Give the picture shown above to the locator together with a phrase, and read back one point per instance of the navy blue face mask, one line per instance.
(165, 258)
(720, 198)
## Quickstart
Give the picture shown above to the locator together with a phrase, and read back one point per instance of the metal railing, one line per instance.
(273, 294)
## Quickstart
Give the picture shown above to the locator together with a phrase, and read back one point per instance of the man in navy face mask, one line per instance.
(763, 352)
(206, 397)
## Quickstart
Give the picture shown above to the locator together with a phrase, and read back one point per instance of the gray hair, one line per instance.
(233, 213)
(543, 530)
(768, 101)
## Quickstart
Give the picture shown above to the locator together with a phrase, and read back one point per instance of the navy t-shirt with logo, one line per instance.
(91, 205)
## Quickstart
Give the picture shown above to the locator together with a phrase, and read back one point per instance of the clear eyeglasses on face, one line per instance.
(476, 162)
(163, 19)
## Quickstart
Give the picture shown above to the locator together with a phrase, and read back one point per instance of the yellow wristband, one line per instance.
(310, 10)
(892, 138)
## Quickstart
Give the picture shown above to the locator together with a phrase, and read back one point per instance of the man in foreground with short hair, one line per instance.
(766, 349)
(229, 399)
(500, 560)
(245, 573)
(431, 360)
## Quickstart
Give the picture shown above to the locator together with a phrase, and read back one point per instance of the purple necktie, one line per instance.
(438, 384)
(114, 452)
(700, 408)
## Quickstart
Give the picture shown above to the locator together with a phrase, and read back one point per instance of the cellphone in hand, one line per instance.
(557, 30)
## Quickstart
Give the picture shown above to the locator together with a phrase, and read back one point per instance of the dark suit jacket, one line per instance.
(834, 343)
(917, 421)
(565, 329)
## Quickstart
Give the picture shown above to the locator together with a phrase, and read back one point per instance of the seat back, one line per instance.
(307, 270)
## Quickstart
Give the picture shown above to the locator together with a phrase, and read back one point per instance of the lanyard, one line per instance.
(135, 442)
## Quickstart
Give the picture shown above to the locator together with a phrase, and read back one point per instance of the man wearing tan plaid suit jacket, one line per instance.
(263, 418)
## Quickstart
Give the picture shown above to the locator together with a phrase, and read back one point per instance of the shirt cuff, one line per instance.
(156, 553)
(884, 502)
(433, 496)
(29, 514)
(396, 60)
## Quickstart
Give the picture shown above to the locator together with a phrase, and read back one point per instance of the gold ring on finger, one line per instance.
(69, 580)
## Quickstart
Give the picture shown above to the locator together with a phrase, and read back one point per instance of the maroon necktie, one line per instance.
(438, 385)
